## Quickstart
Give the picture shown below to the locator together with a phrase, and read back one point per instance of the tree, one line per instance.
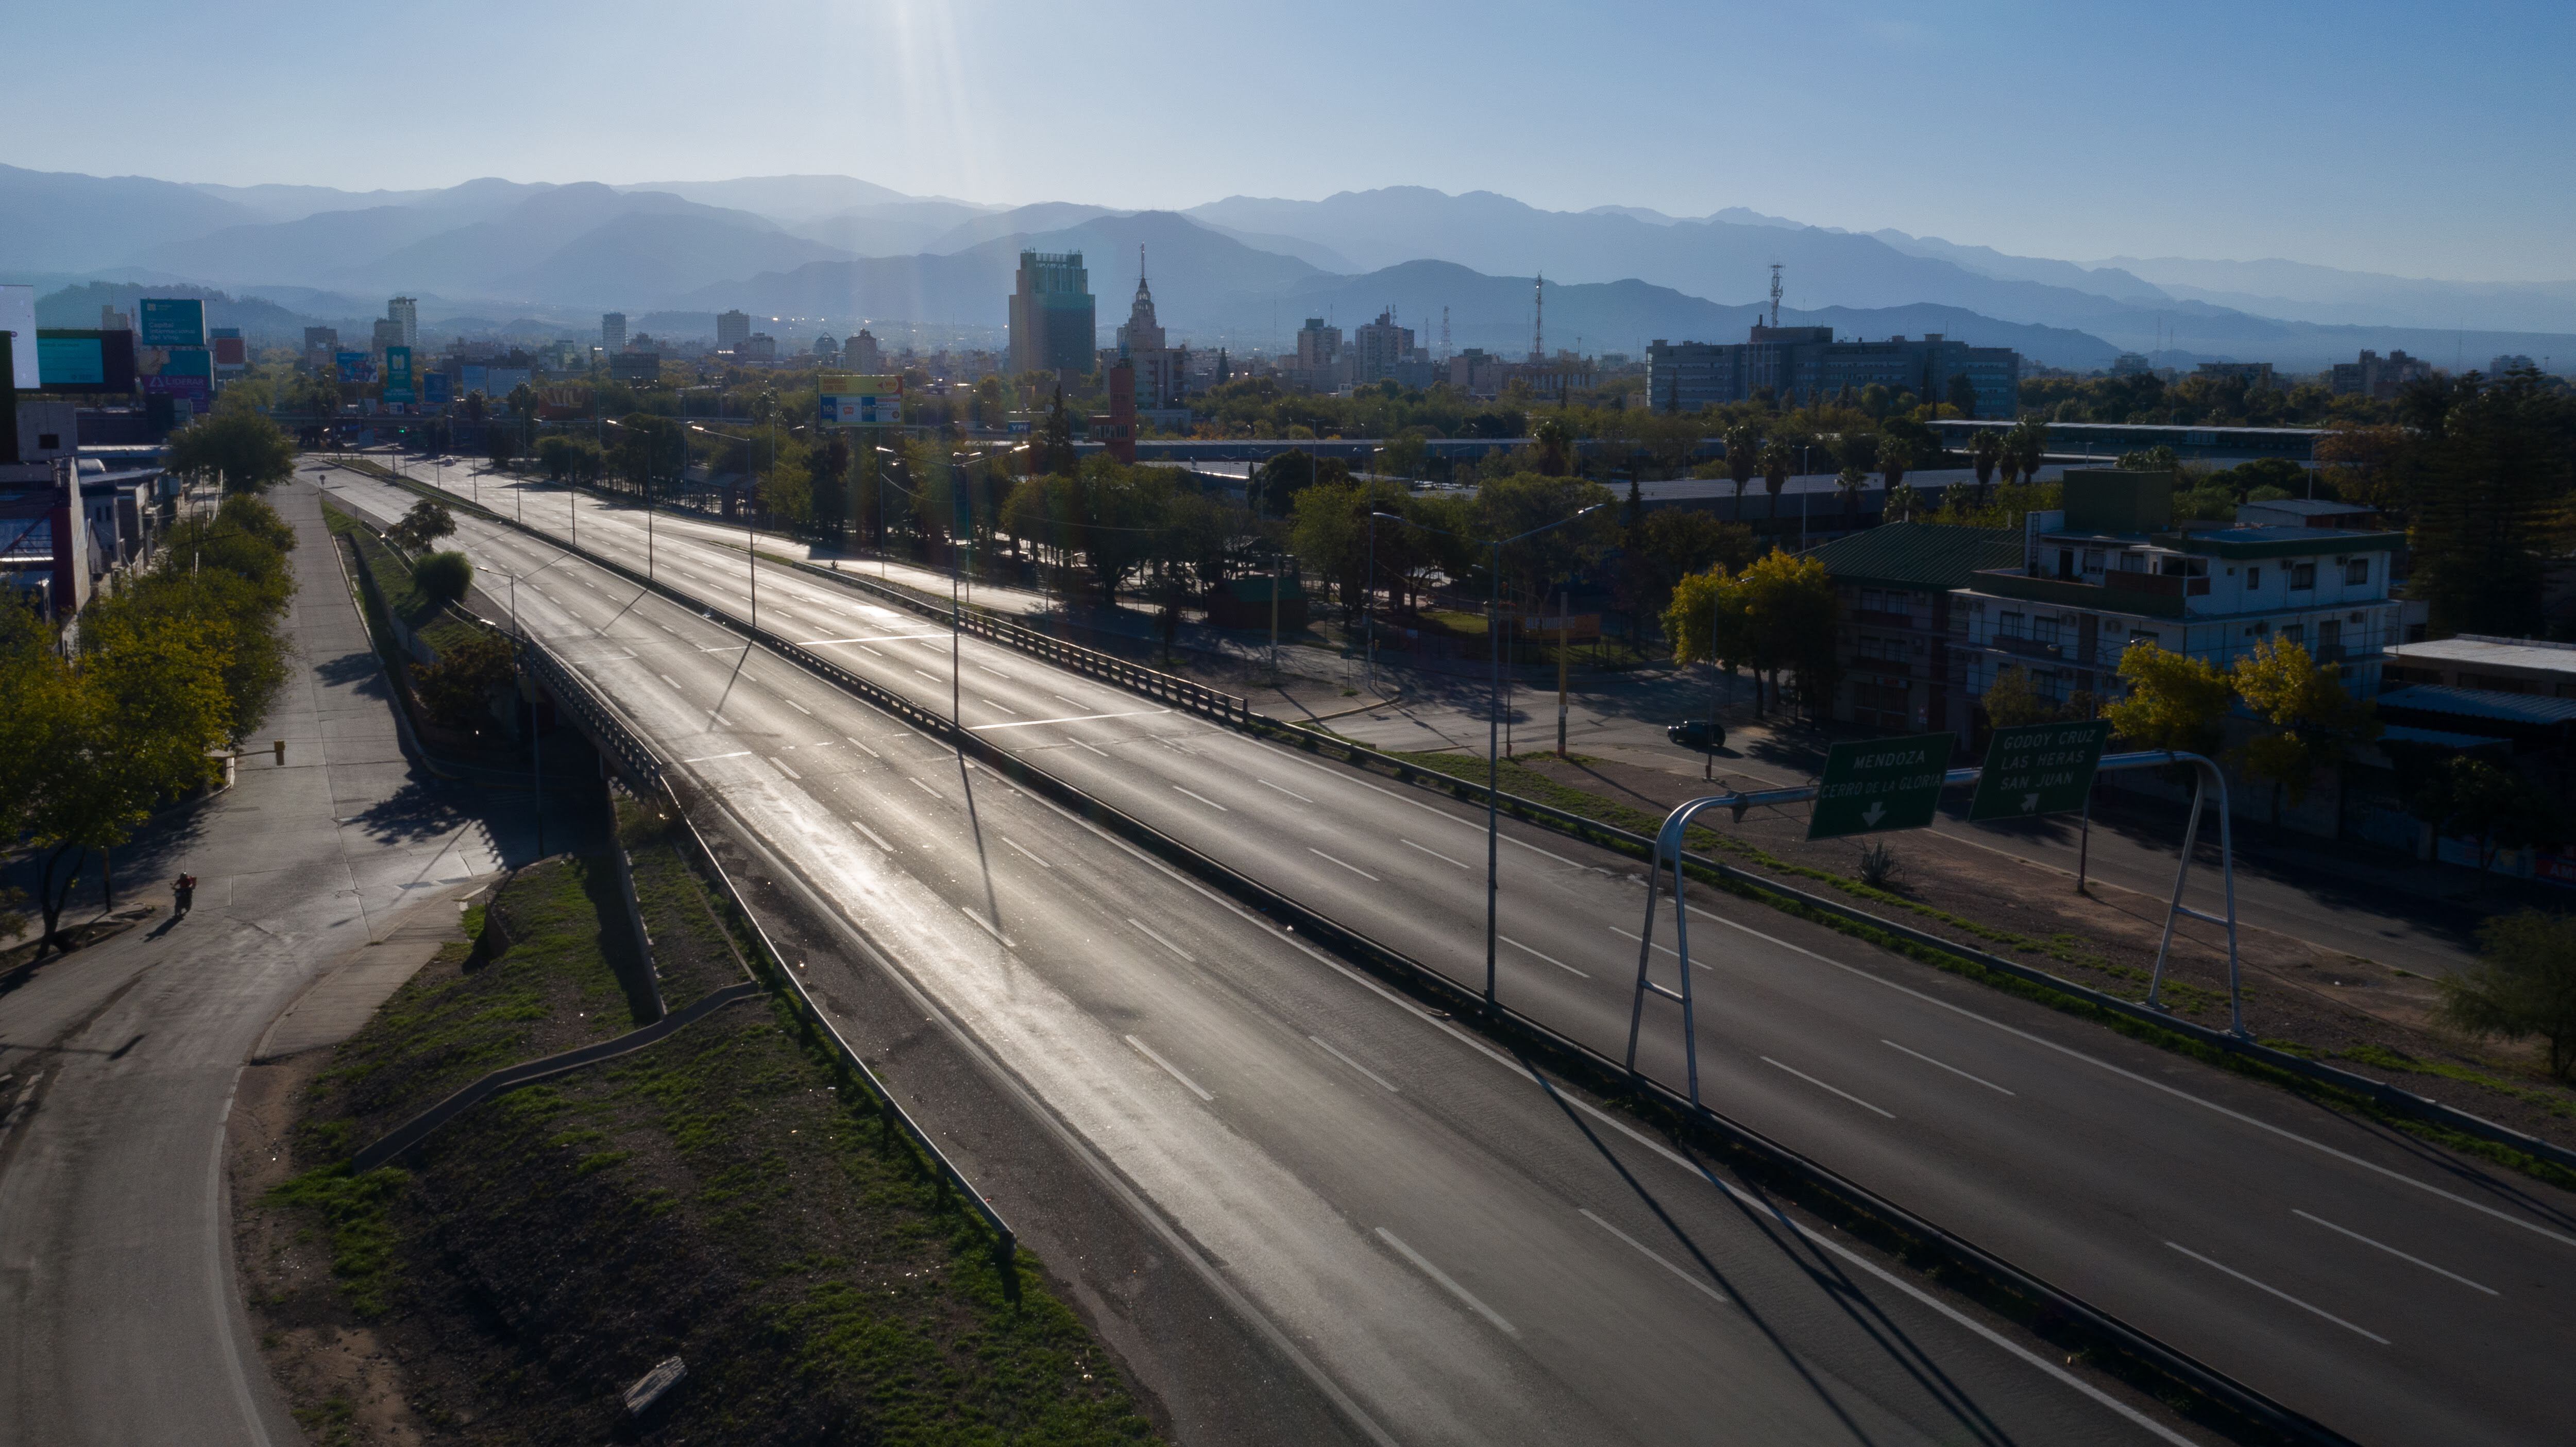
(1743, 455)
(2491, 509)
(2025, 448)
(2524, 984)
(1961, 394)
(246, 452)
(2314, 720)
(443, 577)
(1985, 452)
(1779, 460)
(457, 690)
(1779, 613)
(2466, 797)
(500, 442)
(1555, 442)
(2012, 700)
(1056, 457)
(426, 523)
(2173, 702)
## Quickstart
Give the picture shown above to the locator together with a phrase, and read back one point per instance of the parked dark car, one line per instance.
(1697, 733)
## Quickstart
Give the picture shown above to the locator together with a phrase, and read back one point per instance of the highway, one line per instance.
(2393, 1291)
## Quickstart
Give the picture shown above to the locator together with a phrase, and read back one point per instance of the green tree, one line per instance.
(2314, 721)
(427, 522)
(458, 689)
(2173, 702)
(1961, 394)
(1779, 613)
(1743, 456)
(2492, 508)
(500, 442)
(1985, 454)
(2013, 700)
(2466, 797)
(443, 577)
(2523, 985)
(244, 451)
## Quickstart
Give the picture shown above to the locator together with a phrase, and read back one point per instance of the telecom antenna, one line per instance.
(1444, 334)
(1538, 315)
(1775, 295)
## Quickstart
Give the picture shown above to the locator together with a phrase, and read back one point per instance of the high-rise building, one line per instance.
(388, 334)
(1318, 346)
(1801, 364)
(319, 345)
(1161, 373)
(2131, 364)
(732, 329)
(862, 355)
(1053, 321)
(2511, 362)
(612, 332)
(1381, 351)
(404, 313)
(2380, 377)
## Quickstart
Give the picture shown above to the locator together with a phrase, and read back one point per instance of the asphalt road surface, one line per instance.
(119, 1319)
(2396, 1292)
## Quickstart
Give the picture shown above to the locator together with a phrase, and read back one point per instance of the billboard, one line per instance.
(187, 362)
(868, 401)
(228, 347)
(86, 362)
(200, 390)
(398, 383)
(18, 315)
(354, 367)
(494, 382)
(173, 321)
(433, 389)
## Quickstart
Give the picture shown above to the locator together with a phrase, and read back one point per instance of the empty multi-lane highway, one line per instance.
(1464, 1254)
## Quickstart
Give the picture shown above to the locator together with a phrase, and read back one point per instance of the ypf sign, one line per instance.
(1883, 784)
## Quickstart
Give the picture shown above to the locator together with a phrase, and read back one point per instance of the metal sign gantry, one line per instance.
(1669, 854)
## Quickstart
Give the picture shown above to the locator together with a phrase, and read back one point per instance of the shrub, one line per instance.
(2525, 984)
(443, 577)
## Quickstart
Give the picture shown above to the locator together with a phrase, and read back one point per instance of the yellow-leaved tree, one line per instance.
(2314, 721)
(1777, 614)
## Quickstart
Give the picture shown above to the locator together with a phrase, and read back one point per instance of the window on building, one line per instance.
(2133, 562)
(2294, 632)
(2044, 629)
(2253, 579)
(2303, 575)
(2329, 634)
(2012, 625)
(2092, 560)
(2357, 572)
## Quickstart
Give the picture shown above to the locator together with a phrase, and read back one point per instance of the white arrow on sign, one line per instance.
(2029, 802)
(1873, 814)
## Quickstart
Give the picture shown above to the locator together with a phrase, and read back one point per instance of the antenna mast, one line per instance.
(1775, 295)
(1444, 334)
(1538, 318)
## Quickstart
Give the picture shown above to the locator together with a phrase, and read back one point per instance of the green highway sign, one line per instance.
(2042, 768)
(1879, 785)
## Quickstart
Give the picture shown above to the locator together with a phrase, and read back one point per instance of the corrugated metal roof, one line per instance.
(2481, 703)
(1919, 555)
(2501, 652)
(2403, 734)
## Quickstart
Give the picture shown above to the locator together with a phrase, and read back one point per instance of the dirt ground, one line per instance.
(2372, 1017)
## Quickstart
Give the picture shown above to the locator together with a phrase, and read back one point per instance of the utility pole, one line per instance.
(1564, 632)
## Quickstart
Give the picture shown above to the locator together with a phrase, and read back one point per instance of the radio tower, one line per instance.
(1538, 318)
(1775, 295)
(1444, 334)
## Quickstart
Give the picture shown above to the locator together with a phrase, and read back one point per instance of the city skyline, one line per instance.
(2191, 131)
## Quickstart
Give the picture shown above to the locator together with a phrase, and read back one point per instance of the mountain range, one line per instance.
(1243, 271)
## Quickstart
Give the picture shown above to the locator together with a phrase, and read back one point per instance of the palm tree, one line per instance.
(2026, 447)
(1779, 459)
(1985, 450)
(1743, 456)
(1861, 453)
(1848, 485)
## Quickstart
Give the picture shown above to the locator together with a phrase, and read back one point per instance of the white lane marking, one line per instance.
(2134, 1077)
(703, 758)
(782, 768)
(1104, 753)
(1004, 707)
(1642, 1249)
(2393, 1251)
(1169, 1068)
(2276, 1291)
(925, 788)
(1820, 1085)
(863, 648)
(1434, 853)
(1152, 934)
(1015, 844)
(1353, 868)
(931, 676)
(1204, 799)
(1954, 1070)
(1291, 793)
(1551, 959)
(873, 837)
(819, 642)
(800, 708)
(1635, 938)
(720, 718)
(989, 927)
(1075, 718)
(1425, 806)
(667, 628)
(997, 673)
(1454, 1289)
(818, 743)
(666, 678)
(863, 748)
(1355, 1065)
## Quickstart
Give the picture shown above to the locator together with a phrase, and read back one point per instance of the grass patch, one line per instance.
(729, 1195)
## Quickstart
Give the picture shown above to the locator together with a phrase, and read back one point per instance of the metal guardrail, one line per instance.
(642, 769)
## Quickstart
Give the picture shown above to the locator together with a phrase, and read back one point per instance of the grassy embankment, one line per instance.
(724, 1195)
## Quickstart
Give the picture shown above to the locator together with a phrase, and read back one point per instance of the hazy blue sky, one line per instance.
(2429, 140)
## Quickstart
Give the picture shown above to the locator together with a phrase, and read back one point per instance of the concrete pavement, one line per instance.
(116, 1278)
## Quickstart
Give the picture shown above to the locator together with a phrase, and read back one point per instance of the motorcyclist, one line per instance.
(183, 892)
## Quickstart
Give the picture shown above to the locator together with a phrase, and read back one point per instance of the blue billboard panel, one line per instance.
(188, 362)
(433, 389)
(354, 367)
(173, 321)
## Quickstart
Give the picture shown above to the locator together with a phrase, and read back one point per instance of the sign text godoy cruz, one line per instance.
(2043, 768)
